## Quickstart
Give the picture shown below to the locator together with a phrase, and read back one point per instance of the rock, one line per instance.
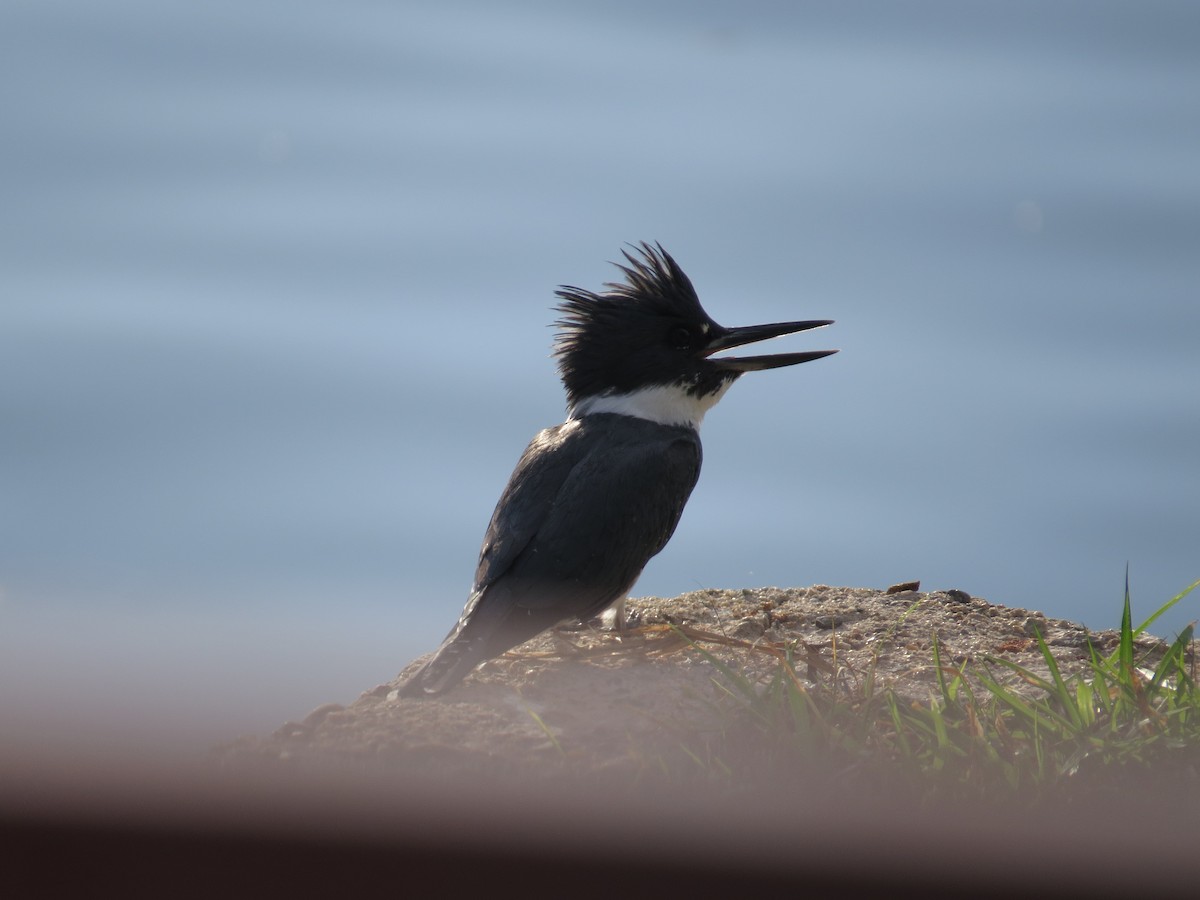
(655, 697)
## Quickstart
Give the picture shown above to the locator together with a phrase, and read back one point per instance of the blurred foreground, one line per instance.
(596, 764)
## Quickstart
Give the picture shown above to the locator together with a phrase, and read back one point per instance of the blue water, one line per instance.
(275, 280)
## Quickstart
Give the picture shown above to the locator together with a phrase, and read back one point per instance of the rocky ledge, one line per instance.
(653, 698)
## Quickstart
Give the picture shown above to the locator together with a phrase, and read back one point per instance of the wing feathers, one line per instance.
(587, 506)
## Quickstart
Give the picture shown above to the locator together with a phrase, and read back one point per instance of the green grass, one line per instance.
(992, 730)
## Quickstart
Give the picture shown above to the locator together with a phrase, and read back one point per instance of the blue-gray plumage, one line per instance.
(592, 500)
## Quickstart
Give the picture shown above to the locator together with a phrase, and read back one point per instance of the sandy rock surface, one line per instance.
(646, 700)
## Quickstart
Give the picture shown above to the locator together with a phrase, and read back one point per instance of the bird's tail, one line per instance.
(484, 630)
(450, 664)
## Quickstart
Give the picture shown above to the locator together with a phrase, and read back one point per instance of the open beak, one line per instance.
(736, 337)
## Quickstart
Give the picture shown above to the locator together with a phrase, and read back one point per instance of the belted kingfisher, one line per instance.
(592, 499)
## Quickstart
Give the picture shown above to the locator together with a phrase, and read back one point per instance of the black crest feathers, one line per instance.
(598, 330)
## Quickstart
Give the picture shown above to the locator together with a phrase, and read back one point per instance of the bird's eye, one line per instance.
(680, 338)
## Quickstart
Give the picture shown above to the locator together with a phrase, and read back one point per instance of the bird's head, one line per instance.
(645, 347)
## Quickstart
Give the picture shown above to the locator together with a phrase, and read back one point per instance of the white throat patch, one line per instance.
(666, 404)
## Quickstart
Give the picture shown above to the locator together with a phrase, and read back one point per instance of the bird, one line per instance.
(593, 499)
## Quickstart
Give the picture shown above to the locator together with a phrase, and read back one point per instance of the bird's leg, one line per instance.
(615, 616)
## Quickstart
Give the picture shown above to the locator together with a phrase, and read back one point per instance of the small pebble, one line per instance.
(1033, 627)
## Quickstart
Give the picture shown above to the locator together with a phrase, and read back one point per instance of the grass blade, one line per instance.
(1125, 648)
(1166, 606)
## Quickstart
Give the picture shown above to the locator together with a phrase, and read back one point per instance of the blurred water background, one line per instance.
(275, 281)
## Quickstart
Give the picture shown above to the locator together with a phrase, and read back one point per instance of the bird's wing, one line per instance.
(523, 507)
(617, 507)
(589, 503)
